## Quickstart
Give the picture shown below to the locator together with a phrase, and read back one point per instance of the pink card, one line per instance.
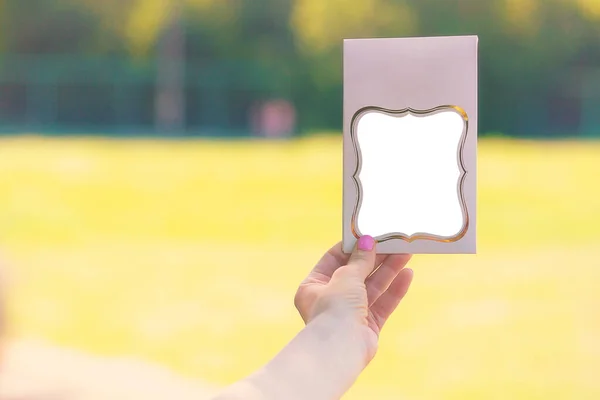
(410, 144)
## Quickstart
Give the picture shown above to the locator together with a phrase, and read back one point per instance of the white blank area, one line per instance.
(409, 174)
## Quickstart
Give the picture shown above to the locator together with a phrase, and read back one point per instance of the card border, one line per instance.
(459, 158)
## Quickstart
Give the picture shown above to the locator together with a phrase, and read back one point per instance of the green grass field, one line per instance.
(188, 253)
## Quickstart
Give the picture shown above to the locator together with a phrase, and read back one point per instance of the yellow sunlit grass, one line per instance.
(189, 252)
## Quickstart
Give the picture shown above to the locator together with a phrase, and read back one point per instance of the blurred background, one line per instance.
(171, 169)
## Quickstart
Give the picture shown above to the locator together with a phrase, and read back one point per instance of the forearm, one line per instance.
(320, 363)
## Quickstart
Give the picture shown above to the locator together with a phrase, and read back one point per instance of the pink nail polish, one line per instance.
(366, 243)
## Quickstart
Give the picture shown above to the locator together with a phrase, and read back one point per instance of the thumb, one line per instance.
(362, 260)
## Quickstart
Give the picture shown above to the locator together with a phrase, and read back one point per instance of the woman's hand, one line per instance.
(344, 301)
(352, 288)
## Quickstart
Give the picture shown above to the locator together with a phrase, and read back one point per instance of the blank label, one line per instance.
(409, 173)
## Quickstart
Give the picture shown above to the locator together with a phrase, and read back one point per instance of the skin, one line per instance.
(345, 301)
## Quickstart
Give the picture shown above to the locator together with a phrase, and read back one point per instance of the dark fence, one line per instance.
(67, 95)
(59, 95)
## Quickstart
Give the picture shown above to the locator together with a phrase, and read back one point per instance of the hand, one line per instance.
(352, 288)
(345, 301)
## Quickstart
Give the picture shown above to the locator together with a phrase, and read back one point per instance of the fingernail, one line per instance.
(366, 243)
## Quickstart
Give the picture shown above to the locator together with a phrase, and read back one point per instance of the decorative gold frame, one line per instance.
(460, 159)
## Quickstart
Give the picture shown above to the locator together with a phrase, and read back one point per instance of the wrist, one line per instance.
(321, 362)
